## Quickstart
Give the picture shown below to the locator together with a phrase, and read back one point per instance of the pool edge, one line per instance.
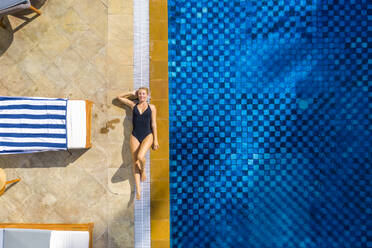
(159, 160)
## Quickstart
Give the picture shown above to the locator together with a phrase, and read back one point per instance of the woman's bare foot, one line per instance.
(138, 193)
(138, 164)
(138, 196)
(143, 175)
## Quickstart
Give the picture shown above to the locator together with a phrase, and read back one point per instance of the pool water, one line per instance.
(269, 123)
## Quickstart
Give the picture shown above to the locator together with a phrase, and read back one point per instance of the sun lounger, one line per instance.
(11, 6)
(46, 235)
(30, 124)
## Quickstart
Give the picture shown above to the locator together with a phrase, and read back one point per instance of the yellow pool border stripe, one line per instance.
(159, 160)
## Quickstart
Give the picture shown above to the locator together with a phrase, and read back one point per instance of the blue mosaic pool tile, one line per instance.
(270, 123)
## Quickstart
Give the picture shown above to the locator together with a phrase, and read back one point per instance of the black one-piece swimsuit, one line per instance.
(141, 123)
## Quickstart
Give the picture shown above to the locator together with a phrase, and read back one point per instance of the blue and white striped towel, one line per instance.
(32, 124)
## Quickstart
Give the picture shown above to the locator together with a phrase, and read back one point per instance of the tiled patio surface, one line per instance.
(80, 49)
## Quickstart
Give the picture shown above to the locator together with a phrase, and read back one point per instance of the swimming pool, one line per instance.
(269, 123)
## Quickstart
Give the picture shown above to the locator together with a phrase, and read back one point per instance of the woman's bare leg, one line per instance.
(144, 147)
(134, 147)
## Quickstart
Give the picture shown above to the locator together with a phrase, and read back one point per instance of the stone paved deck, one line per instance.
(80, 49)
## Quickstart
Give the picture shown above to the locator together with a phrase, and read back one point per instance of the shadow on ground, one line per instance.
(41, 160)
(119, 177)
(6, 36)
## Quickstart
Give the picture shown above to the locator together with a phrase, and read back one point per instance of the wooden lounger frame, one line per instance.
(54, 227)
(88, 107)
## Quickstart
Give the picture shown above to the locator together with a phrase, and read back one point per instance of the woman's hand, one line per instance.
(132, 95)
(155, 145)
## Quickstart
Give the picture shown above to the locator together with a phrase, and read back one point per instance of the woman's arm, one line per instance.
(124, 98)
(154, 129)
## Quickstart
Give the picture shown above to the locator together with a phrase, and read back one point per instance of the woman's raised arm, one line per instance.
(124, 98)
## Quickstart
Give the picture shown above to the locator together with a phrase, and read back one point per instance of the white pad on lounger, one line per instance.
(69, 239)
(76, 124)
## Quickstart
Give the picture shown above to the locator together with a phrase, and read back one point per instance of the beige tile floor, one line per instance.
(80, 49)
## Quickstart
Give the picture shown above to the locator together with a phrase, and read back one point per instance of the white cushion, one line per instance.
(26, 238)
(69, 239)
(76, 124)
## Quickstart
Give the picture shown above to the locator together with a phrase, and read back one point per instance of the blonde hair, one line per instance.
(143, 88)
